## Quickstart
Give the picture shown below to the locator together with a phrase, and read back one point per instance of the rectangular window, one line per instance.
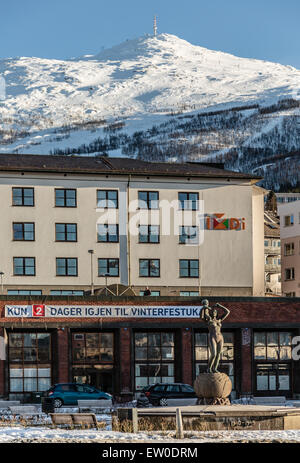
(189, 293)
(23, 231)
(153, 293)
(188, 268)
(65, 197)
(107, 199)
(148, 199)
(24, 266)
(23, 196)
(289, 249)
(29, 356)
(108, 267)
(93, 347)
(289, 273)
(67, 292)
(188, 235)
(66, 232)
(24, 292)
(148, 233)
(273, 345)
(288, 220)
(66, 266)
(149, 267)
(154, 358)
(188, 201)
(107, 233)
(266, 243)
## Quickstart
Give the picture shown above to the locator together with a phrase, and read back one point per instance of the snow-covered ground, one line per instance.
(20, 434)
(40, 430)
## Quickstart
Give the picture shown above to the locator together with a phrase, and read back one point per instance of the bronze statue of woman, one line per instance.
(215, 337)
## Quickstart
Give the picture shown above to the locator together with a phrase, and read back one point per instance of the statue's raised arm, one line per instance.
(227, 311)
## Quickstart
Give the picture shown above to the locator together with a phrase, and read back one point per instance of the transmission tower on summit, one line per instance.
(155, 26)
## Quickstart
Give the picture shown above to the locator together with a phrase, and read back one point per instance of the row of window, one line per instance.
(68, 266)
(107, 199)
(106, 233)
(273, 243)
(30, 358)
(76, 292)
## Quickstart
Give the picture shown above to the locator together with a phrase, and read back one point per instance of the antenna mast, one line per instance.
(155, 26)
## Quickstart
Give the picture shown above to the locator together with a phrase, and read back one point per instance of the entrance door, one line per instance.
(273, 378)
(102, 381)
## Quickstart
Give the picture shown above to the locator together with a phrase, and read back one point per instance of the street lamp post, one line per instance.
(105, 275)
(91, 251)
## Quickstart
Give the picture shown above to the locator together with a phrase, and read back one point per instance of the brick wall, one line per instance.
(244, 313)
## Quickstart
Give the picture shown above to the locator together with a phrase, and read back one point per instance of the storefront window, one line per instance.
(202, 355)
(93, 347)
(93, 359)
(29, 362)
(272, 345)
(270, 349)
(154, 358)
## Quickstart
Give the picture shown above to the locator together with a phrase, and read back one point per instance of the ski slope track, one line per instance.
(158, 98)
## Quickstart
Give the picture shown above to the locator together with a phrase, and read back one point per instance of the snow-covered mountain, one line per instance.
(155, 97)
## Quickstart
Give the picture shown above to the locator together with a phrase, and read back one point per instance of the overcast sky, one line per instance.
(263, 29)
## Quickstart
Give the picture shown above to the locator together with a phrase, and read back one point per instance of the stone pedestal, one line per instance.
(213, 388)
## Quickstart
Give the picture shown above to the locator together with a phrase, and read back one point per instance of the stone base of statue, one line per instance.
(213, 389)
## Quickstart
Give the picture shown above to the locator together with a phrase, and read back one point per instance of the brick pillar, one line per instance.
(125, 357)
(63, 355)
(246, 354)
(186, 356)
(3, 353)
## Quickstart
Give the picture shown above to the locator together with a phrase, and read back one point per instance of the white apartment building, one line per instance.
(272, 255)
(290, 247)
(74, 224)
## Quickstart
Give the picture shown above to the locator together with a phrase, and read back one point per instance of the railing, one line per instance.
(274, 251)
(273, 268)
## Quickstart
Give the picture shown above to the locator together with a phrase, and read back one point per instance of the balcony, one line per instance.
(273, 250)
(273, 268)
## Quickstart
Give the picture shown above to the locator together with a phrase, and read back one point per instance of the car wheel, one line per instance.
(58, 403)
(163, 402)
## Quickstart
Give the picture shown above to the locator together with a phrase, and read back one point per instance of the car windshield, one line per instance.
(186, 388)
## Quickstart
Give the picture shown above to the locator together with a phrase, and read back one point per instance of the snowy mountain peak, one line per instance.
(78, 105)
(146, 46)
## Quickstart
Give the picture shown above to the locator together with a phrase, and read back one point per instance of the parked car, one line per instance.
(158, 394)
(70, 393)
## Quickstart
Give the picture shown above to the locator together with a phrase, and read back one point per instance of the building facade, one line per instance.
(123, 344)
(290, 247)
(272, 255)
(76, 224)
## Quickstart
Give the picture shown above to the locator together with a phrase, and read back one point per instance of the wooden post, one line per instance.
(135, 424)
(179, 426)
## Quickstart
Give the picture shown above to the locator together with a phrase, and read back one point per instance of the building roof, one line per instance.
(114, 166)
(271, 225)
